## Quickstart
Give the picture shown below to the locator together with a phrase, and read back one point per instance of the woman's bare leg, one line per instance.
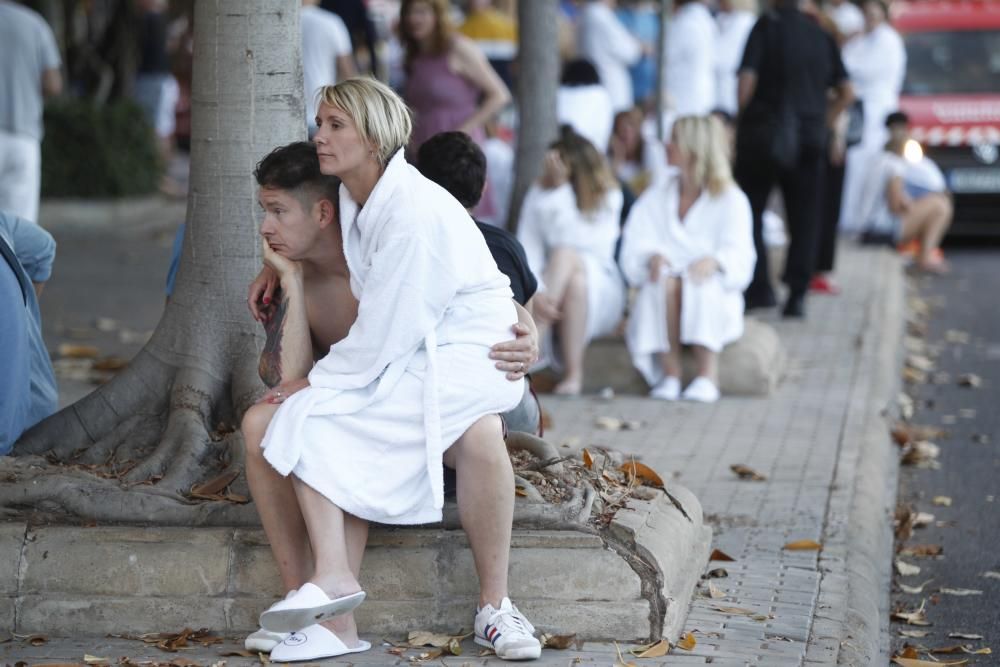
(276, 503)
(573, 332)
(707, 362)
(671, 360)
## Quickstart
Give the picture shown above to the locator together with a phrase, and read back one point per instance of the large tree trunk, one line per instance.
(538, 79)
(134, 448)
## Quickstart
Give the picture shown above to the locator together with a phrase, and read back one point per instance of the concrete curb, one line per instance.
(129, 212)
(852, 609)
(631, 581)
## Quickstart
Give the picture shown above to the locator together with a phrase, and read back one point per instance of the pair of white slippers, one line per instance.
(701, 390)
(291, 630)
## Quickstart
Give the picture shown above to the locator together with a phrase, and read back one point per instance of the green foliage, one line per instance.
(98, 151)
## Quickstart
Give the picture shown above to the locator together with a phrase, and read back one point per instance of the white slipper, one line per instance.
(667, 389)
(308, 606)
(701, 390)
(262, 641)
(313, 643)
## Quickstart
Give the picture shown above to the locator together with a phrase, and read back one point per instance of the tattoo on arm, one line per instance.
(270, 358)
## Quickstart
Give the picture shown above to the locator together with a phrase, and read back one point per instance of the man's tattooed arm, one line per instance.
(270, 359)
(288, 353)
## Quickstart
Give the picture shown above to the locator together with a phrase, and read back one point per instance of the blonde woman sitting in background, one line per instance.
(569, 226)
(688, 248)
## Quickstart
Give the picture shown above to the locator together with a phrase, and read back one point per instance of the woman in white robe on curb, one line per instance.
(364, 435)
(569, 226)
(688, 248)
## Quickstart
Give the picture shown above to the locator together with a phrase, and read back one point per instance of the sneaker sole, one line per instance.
(522, 653)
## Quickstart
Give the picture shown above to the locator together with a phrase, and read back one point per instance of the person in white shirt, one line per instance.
(605, 42)
(326, 53)
(30, 71)
(899, 206)
(689, 69)
(734, 21)
(638, 160)
(688, 247)
(584, 104)
(848, 18)
(876, 64)
(569, 226)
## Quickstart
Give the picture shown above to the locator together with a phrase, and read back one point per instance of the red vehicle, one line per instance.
(952, 96)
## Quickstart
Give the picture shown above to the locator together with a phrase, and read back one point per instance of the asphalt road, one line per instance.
(964, 302)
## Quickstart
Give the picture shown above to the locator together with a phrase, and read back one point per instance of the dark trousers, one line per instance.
(801, 187)
(833, 191)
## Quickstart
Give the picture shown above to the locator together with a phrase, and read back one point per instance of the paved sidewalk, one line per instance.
(810, 439)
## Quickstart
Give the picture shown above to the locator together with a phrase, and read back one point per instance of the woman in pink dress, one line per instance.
(450, 84)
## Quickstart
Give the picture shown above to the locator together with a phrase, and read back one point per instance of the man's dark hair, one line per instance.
(456, 163)
(579, 72)
(897, 118)
(295, 168)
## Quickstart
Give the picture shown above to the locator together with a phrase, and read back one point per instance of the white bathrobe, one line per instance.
(876, 63)
(550, 219)
(689, 63)
(719, 226)
(413, 372)
(612, 49)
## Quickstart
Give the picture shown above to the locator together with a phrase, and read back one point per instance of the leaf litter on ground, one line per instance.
(915, 617)
(746, 472)
(803, 545)
(655, 650)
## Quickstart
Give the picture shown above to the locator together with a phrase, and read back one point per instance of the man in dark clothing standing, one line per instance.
(790, 66)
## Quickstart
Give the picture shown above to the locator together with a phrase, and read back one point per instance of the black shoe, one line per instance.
(795, 306)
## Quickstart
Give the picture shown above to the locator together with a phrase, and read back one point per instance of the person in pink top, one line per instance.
(450, 84)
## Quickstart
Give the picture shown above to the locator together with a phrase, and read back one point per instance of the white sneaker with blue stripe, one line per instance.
(507, 632)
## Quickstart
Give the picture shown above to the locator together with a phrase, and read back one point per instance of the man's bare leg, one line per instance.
(485, 494)
(338, 542)
(276, 503)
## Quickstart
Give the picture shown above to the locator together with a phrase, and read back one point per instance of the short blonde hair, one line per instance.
(703, 138)
(380, 115)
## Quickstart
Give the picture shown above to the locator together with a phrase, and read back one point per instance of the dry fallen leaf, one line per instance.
(241, 653)
(654, 650)
(746, 472)
(557, 641)
(920, 452)
(913, 634)
(941, 501)
(922, 550)
(620, 662)
(687, 642)
(921, 519)
(981, 438)
(426, 656)
(906, 662)
(920, 362)
(964, 635)
(915, 617)
(588, 460)
(617, 424)
(970, 380)
(78, 351)
(643, 473)
(990, 574)
(717, 573)
(110, 364)
(718, 554)
(803, 545)
(955, 336)
(714, 592)
(215, 485)
(960, 591)
(94, 660)
(914, 590)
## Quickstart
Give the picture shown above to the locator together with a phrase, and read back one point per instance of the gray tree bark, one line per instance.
(538, 79)
(135, 447)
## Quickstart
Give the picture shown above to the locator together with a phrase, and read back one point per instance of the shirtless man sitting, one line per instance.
(302, 247)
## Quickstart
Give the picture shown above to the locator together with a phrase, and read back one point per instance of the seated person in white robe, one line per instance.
(364, 434)
(688, 248)
(569, 225)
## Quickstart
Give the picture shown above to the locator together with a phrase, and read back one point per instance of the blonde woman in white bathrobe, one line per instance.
(569, 226)
(364, 436)
(688, 248)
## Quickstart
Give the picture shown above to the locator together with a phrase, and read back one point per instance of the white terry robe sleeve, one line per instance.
(736, 254)
(641, 239)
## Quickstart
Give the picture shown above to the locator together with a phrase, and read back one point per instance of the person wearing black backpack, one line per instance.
(789, 68)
